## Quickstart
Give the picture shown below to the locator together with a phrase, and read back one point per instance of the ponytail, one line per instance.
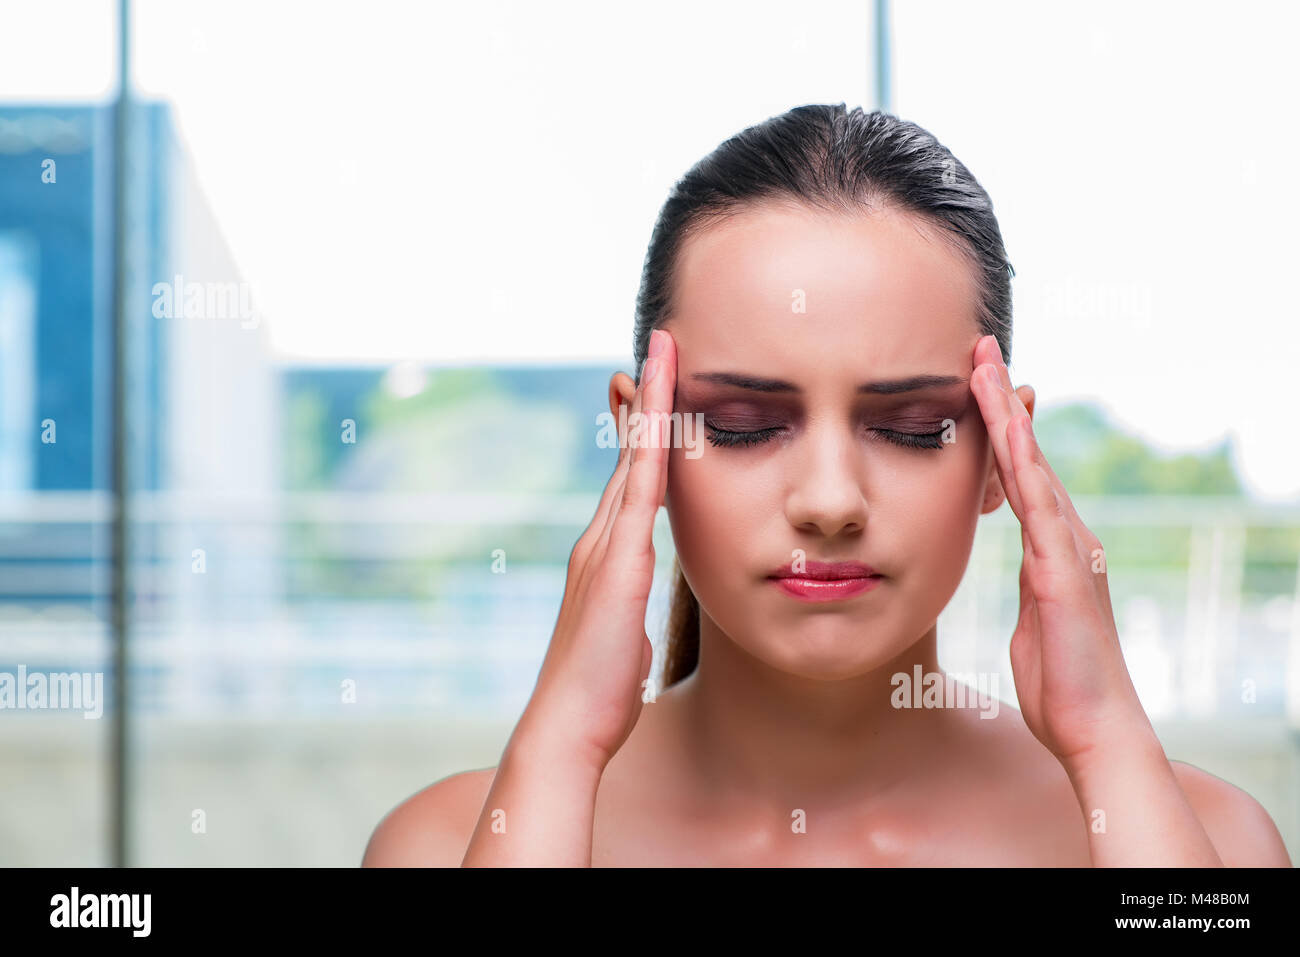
(683, 649)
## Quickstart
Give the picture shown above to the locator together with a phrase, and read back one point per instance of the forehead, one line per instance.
(805, 291)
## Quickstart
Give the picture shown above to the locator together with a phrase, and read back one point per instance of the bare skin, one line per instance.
(1003, 802)
(784, 746)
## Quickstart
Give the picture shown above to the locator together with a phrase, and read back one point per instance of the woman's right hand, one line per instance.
(588, 693)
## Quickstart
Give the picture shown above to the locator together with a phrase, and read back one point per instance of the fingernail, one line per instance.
(656, 342)
(650, 370)
(1005, 375)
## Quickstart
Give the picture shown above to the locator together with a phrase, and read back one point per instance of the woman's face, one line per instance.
(828, 308)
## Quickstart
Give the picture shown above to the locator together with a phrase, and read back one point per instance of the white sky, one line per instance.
(454, 182)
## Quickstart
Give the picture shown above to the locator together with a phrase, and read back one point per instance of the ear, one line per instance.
(1027, 396)
(622, 389)
(994, 494)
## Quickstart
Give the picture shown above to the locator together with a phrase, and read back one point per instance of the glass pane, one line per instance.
(55, 667)
(355, 551)
(1152, 255)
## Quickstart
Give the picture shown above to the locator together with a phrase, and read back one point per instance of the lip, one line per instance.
(826, 581)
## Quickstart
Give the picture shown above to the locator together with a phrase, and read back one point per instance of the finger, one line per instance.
(1086, 543)
(1081, 529)
(583, 548)
(636, 437)
(1086, 540)
(613, 487)
(1026, 576)
(635, 430)
(995, 408)
(1010, 402)
(1026, 649)
(647, 475)
(1017, 407)
(1051, 536)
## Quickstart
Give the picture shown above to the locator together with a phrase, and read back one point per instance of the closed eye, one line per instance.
(734, 439)
(726, 437)
(912, 440)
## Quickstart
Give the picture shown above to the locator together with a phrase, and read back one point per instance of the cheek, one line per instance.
(705, 509)
(936, 509)
(724, 518)
(946, 484)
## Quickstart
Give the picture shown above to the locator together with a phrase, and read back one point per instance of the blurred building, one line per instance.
(201, 392)
(55, 182)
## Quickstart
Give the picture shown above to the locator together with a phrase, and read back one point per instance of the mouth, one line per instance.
(826, 581)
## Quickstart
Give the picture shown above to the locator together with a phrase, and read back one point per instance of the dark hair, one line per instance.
(825, 157)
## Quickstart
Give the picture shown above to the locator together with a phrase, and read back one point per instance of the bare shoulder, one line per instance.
(1238, 825)
(432, 827)
(1241, 830)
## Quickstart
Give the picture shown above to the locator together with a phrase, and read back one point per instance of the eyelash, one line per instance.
(908, 440)
(725, 438)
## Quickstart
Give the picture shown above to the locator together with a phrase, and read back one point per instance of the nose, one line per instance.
(826, 493)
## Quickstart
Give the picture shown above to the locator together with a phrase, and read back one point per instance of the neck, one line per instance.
(750, 729)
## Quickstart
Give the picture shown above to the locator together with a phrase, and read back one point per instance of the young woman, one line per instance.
(830, 292)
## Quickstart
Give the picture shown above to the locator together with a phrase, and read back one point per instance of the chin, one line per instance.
(832, 652)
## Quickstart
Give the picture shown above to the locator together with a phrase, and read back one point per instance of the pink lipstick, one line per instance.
(826, 581)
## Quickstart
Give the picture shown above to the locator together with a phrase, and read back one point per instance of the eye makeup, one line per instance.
(736, 428)
(731, 420)
(908, 440)
(922, 425)
(726, 437)
(916, 424)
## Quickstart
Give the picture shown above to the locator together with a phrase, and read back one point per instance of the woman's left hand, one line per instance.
(1073, 687)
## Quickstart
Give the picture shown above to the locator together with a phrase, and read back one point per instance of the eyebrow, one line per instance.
(914, 383)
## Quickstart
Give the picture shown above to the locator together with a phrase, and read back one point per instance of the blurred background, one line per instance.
(336, 250)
